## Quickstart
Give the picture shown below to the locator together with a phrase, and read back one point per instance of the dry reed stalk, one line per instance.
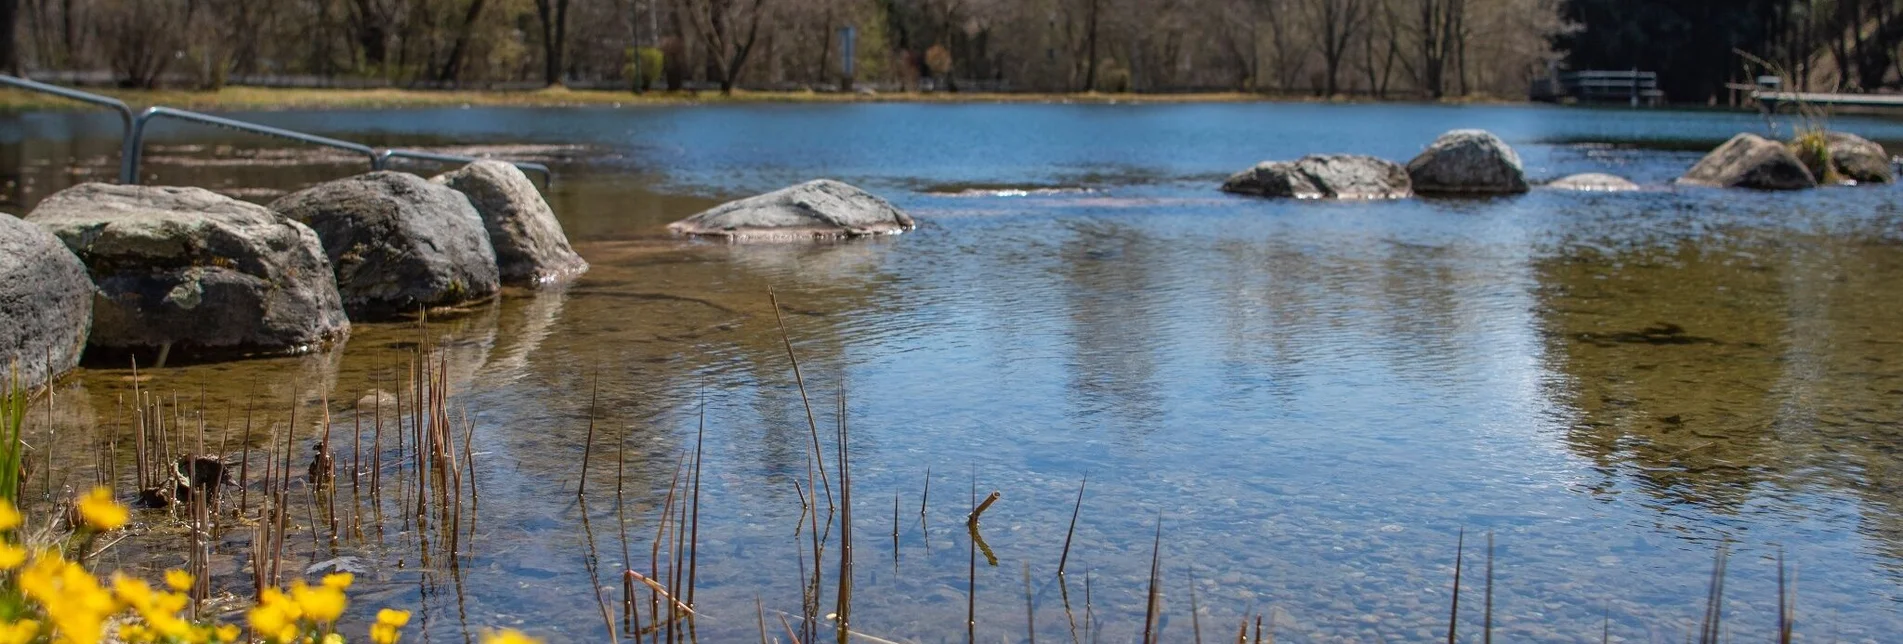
(976, 512)
(971, 573)
(1072, 530)
(594, 392)
(1453, 614)
(1156, 561)
(798, 379)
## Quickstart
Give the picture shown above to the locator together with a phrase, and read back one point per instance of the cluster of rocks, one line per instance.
(1752, 161)
(1461, 162)
(108, 270)
(1475, 162)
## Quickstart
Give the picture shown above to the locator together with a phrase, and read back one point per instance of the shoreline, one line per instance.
(272, 99)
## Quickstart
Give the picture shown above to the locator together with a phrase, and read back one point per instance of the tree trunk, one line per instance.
(554, 17)
(453, 67)
(9, 49)
(1090, 47)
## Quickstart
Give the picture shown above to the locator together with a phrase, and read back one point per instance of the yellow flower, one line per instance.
(11, 556)
(322, 604)
(509, 636)
(178, 580)
(274, 620)
(20, 632)
(228, 633)
(101, 512)
(9, 516)
(389, 622)
(333, 638)
(339, 581)
(384, 634)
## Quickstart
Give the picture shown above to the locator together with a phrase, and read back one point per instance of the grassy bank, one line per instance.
(260, 98)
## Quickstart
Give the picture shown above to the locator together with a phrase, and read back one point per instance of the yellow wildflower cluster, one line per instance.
(45, 599)
(306, 613)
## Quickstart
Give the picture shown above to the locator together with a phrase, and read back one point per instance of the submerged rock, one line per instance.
(1751, 161)
(1472, 162)
(46, 303)
(1334, 176)
(821, 209)
(203, 274)
(1594, 182)
(530, 245)
(398, 243)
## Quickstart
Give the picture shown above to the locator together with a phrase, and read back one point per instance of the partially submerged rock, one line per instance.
(1467, 162)
(1859, 159)
(398, 243)
(1334, 176)
(195, 273)
(1751, 161)
(1594, 182)
(821, 209)
(46, 304)
(530, 245)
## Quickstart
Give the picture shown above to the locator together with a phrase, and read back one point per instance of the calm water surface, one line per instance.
(1315, 398)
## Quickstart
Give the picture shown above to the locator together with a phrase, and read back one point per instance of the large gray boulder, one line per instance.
(1467, 162)
(530, 245)
(1751, 161)
(1335, 176)
(821, 209)
(195, 272)
(1594, 182)
(397, 242)
(46, 303)
(1859, 159)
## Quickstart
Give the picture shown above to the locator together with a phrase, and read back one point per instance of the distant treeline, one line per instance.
(1375, 48)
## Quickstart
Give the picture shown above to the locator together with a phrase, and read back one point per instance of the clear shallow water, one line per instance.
(1314, 397)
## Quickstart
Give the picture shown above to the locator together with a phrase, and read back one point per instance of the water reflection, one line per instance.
(1316, 397)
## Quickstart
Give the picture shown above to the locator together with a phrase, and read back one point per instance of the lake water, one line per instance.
(1314, 398)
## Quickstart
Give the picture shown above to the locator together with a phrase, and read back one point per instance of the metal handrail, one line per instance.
(383, 161)
(128, 172)
(135, 145)
(132, 148)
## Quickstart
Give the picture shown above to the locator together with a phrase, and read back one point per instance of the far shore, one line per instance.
(260, 98)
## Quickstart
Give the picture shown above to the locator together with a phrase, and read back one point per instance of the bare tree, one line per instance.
(554, 16)
(1381, 45)
(9, 51)
(1335, 23)
(728, 29)
(1440, 29)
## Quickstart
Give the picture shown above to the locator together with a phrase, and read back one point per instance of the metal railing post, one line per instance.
(128, 172)
(132, 144)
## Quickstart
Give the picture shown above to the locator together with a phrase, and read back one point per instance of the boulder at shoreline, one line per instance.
(195, 273)
(820, 209)
(530, 245)
(1751, 161)
(1467, 162)
(1594, 182)
(1334, 176)
(46, 304)
(398, 243)
(1859, 159)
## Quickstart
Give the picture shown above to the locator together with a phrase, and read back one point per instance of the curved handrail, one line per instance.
(128, 170)
(135, 145)
(132, 148)
(383, 162)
